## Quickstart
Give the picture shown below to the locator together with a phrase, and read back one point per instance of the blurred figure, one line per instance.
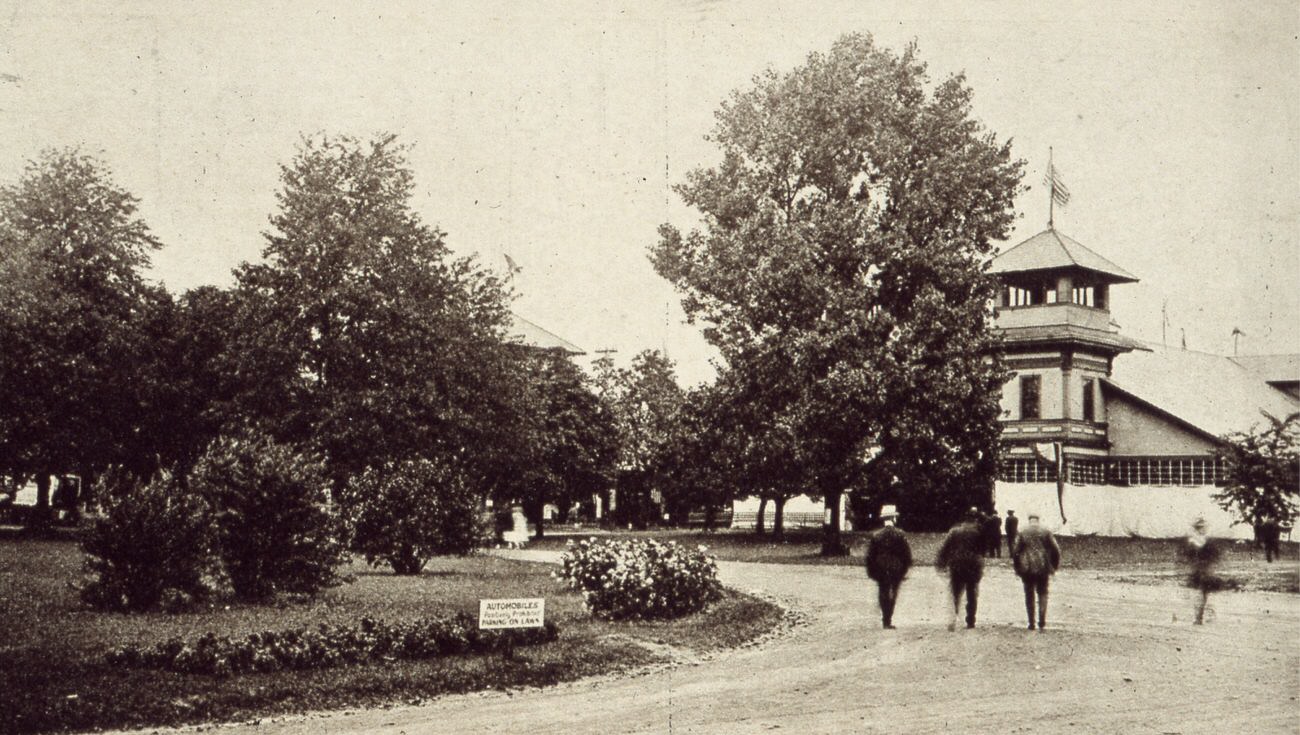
(1012, 527)
(1268, 533)
(889, 556)
(962, 556)
(1202, 556)
(1036, 556)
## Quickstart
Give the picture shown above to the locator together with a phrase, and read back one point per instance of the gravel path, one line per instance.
(1116, 658)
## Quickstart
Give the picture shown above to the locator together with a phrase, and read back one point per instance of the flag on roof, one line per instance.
(1060, 192)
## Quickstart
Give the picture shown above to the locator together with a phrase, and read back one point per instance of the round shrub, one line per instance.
(405, 512)
(277, 531)
(153, 547)
(630, 579)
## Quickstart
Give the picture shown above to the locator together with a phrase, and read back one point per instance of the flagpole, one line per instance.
(1051, 192)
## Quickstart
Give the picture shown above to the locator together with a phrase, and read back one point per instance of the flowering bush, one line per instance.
(327, 646)
(640, 578)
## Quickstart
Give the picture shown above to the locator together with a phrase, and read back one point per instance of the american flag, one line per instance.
(1060, 193)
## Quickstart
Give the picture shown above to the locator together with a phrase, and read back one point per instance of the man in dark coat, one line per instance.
(888, 558)
(1036, 556)
(961, 555)
(989, 526)
(1268, 533)
(1012, 527)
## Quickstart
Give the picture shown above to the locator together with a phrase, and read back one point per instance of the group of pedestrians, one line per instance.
(1035, 555)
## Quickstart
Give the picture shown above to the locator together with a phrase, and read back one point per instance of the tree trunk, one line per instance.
(832, 541)
(710, 517)
(41, 517)
(778, 517)
(405, 563)
(762, 508)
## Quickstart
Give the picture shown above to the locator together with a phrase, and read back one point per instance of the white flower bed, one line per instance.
(634, 578)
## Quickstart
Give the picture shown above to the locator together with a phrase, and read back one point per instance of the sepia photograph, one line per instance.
(572, 367)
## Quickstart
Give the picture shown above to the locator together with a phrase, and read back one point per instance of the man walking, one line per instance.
(889, 556)
(1036, 556)
(1012, 526)
(961, 555)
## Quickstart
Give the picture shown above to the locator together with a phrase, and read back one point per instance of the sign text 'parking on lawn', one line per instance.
(520, 613)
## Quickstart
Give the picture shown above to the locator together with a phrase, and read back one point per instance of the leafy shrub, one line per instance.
(154, 546)
(276, 528)
(405, 512)
(622, 579)
(327, 646)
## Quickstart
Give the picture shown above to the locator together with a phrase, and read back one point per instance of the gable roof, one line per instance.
(1208, 392)
(1273, 368)
(1049, 250)
(524, 332)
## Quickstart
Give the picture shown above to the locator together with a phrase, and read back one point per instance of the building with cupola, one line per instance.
(1103, 433)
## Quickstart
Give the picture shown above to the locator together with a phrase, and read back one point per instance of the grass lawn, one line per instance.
(53, 676)
(1139, 559)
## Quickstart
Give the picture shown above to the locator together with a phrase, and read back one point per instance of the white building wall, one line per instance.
(1102, 510)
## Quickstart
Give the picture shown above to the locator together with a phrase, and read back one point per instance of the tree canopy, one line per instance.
(1261, 467)
(75, 316)
(366, 336)
(840, 265)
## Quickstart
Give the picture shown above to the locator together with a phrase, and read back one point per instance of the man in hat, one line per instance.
(1036, 557)
(889, 556)
(1012, 526)
(961, 554)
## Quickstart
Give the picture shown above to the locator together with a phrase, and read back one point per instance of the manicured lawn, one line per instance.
(53, 676)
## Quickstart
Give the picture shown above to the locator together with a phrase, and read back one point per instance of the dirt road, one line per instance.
(1116, 658)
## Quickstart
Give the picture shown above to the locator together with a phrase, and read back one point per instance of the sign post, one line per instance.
(524, 612)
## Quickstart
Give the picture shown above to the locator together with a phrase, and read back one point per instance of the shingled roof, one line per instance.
(1210, 392)
(1049, 250)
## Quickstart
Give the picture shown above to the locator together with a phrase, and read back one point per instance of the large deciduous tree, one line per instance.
(841, 264)
(572, 444)
(645, 401)
(75, 312)
(368, 338)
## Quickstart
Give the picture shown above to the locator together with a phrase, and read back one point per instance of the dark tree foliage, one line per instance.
(75, 317)
(404, 513)
(566, 439)
(841, 265)
(645, 401)
(1262, 466)
(277, 530)
(363, 335)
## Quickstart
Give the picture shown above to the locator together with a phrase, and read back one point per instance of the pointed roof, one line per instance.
(524, 332)
(1050, 250)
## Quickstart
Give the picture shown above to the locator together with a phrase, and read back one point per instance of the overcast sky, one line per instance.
(553, 132)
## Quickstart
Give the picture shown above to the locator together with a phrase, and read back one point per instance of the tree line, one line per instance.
(839, 267)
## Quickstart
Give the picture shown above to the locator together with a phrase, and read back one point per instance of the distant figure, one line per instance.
(1012, 526)
(1202, 556)
(989, 527)
(961, 556)
(1036, 557)
(1268, 533)
(888, 558)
